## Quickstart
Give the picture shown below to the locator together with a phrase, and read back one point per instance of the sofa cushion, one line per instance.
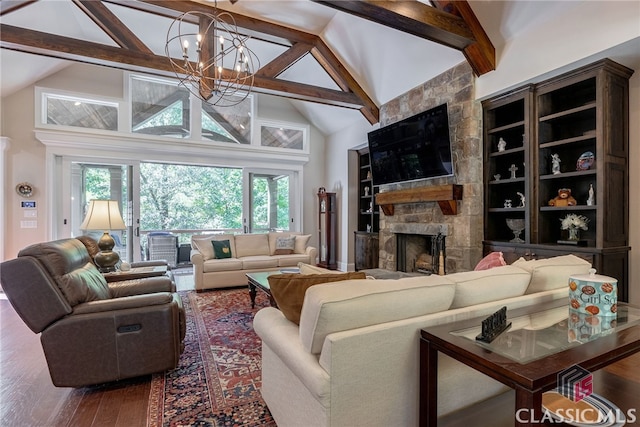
(258, 261)
(274, 235)
(302, 241)
(203, 244)
(357, 303)
(552, 273)
(221, 249)
(291, 260)
(251, 244)
(288, 289)
(476, 287)
(285, 245)
(226, 264)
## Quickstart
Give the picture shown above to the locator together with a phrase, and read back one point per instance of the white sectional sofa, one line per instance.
(354, 358)
(249, 252)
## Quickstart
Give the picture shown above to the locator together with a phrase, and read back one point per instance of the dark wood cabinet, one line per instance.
(327, 229)
(367, 247)
(581, 119)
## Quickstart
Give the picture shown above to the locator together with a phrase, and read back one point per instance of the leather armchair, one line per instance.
(92, 333)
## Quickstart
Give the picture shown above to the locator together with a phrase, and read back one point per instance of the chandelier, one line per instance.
(216, 66)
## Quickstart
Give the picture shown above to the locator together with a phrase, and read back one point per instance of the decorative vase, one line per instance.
(574, 233)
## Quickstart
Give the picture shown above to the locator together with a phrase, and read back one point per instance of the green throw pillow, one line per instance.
(221, 249)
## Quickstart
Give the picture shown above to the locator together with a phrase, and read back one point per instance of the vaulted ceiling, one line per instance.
(130, 35)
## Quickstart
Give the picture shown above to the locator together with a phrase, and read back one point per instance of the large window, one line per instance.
(78, 112)
(159, 108)
(180, 197)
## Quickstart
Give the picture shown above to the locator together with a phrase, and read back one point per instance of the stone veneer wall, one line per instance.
(456, 87)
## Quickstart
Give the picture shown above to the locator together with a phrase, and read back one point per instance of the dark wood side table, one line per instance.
(525, 359)
(136, 273)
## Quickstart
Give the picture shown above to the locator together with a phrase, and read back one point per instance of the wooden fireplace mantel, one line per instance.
(447, 197)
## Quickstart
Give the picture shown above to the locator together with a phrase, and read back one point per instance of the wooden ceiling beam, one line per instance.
(55, 46)
(337, 71)
(8, 6)
(279, 64)
(481, 54)
(111, 25)
(450, 23)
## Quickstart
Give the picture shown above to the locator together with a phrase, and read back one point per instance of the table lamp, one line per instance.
(104, 215)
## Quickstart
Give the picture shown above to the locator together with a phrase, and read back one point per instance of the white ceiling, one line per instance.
(385, 62)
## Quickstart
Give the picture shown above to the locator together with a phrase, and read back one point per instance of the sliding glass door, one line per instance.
(87, 181)
(268, 200)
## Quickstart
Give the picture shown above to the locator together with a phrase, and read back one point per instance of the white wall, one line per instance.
(25, 160)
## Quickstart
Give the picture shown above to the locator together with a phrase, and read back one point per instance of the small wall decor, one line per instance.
(24, 189)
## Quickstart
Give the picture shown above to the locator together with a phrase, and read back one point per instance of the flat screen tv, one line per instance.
(415, 148)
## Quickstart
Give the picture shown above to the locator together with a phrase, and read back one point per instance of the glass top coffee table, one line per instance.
(543, 340)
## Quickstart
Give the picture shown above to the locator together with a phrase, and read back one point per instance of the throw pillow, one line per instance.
(288, 289)
(221, 249)
(494, 259)
(285, 245)
(301, 243)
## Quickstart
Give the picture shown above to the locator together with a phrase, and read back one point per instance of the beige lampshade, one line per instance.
(103, 215)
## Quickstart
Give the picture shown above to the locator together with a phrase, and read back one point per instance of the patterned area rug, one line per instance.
(217, 382)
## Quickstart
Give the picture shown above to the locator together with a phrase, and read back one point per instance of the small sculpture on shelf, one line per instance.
(592, 197)
(368, 228)
(522, 199)
(366, 191)
(507, 203)
(502, 145)
(513, 170)
(497, 177)
(564, 198)
(368, 174)
(555, 164)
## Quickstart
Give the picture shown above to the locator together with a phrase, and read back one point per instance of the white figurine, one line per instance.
(591, 200)
(366, 191)
(555, 164)
(513, 170)
(522, 200)
(507, 203)
(502, 145)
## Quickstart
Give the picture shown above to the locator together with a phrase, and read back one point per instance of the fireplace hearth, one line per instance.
(421, 253)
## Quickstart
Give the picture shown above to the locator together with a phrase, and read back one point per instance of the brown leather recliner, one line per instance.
(92, 333)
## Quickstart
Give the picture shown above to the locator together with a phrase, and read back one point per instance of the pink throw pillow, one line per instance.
(494, 259)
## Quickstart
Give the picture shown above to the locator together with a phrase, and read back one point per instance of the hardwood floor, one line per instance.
(28, 398)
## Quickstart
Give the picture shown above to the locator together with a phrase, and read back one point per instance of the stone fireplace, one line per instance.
(463, 230)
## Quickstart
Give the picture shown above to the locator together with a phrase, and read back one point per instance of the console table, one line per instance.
(520, 361)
